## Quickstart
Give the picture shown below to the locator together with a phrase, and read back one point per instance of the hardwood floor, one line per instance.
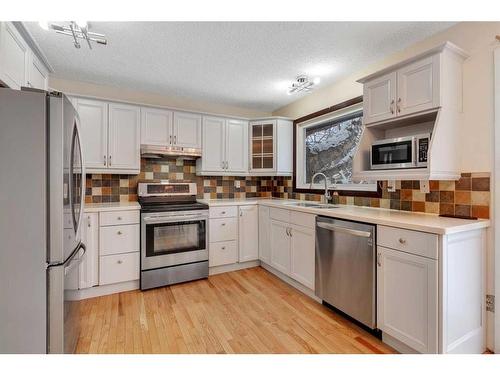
(247, 311)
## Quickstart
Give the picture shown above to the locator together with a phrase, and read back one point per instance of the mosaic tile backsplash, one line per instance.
(469, 196)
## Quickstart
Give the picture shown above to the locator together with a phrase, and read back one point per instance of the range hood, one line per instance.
(156, 152)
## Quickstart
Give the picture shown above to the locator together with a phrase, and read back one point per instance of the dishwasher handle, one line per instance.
(336, 228)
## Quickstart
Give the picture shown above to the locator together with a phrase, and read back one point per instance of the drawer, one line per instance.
(279, 214)
(302, 219)
(119, 217)
(220, 212)
(118, 239)
(223, 229)
(410, 241)
(221, 253)
(118, 268)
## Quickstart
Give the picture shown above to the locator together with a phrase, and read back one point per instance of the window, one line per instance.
(327, 144)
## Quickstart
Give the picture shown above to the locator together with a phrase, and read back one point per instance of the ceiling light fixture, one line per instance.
(77, 30)
(302, 84)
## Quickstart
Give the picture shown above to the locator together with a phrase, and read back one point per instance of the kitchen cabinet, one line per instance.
(94, 127)
(89, 268)
(248, 232)
(379, 96)
(110, 136)
(280, 246)
(14, 56)
(223, 236)
(302, 255)
(271, 147)
(187, 130)
(19, 64)
(407, 306)
(124, 137)
(156, 126)
(225, 147)
(264, 234)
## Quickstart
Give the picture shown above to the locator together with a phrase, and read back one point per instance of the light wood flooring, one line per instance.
(247, 311)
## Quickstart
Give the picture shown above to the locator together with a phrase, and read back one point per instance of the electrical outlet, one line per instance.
(490, 303)
(391, 186)
(424, 186)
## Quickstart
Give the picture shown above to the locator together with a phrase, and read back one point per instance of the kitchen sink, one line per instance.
(311, 204)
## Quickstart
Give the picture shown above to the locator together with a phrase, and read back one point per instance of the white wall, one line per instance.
(140, 97)
(478, 39)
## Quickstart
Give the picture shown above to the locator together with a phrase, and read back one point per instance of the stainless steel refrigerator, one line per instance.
(42, 191)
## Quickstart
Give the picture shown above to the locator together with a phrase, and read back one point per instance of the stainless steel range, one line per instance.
(173, 234)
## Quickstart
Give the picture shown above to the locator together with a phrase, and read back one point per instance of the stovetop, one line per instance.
(167, 204)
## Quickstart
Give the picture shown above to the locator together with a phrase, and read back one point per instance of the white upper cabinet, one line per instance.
(110, 136)
(379, 96)
(213, 154)
(37, 74)
(225, 147)
(187, 130)
(94, 126)
(124, 137)
(19, 65)
(236, 146)
(248, 232)
(418, 86)
(156, 127)
(14, 57)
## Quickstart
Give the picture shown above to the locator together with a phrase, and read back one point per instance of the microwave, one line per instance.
(403, 152)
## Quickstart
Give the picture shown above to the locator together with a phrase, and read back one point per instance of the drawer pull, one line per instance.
(223, 224)
(120, 262)
(119, 232)
(402, 241)
(223, 248)
(223, 212)
(119, 218)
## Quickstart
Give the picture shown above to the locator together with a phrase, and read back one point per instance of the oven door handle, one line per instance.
(173, 219)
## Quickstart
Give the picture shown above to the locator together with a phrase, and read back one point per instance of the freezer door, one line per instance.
(64, 309)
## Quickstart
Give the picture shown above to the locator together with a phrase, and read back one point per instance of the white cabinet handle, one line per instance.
(402, 241)
(120, 262)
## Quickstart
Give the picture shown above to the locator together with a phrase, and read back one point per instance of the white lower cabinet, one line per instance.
(248, 232)
(302, 255)
(280, 246)
(264, 234)
(89, 268)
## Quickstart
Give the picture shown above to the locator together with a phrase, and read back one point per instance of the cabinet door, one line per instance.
(407, 306)
(38, 74)
(418, 86)
(94, 126)
(302, 255)
(14, 56)
(280, 246)
(89, 268)
(124, 137)
(248, 232)
(213, 144)
(156, 127)
(264, 234)
(379, 97)
(187, 130)
(236, 146)
(263, 146)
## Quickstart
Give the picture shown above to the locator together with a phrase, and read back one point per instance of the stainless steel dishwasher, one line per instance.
(345, 267)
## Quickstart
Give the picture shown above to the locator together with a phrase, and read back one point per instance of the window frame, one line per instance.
(340, 110)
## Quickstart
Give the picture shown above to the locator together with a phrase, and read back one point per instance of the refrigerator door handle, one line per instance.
(75, 262)
(75, 251)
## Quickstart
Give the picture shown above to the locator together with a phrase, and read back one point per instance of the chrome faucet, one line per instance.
(328, 197)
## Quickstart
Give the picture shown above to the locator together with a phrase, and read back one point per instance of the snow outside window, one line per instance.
(327, 144)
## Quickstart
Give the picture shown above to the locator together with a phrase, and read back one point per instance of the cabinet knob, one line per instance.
(120, 262)
(223, 212)
(402, 241)
(223, 224)
(223, 248)
(119, 218)
(119, 232)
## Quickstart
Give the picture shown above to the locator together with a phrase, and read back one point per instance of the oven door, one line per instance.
(173, 239)
(396, 154)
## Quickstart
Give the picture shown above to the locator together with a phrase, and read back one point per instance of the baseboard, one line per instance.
(102, 290)
(398, 345)
(308, 292)
(233, 267)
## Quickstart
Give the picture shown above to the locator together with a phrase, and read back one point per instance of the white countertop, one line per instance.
(112, 206)
(423, 222)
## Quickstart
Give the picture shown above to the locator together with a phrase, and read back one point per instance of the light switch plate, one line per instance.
(391, 186)
(424, 186)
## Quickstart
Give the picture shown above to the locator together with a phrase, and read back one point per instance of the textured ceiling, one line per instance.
(246, 64)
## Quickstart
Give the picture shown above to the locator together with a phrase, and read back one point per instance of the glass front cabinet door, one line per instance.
(262, 146)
